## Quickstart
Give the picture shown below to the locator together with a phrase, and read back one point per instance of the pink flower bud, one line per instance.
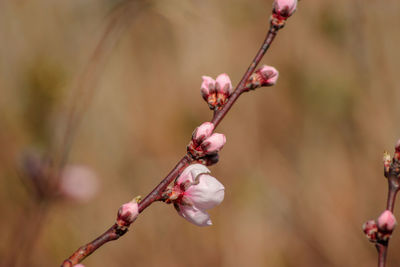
(284, 8)
(198, 192)
(223, 84)
(386, 221)
(127, 213)
(269, 75)
(207, 87)
(370, 230)
(79, 265)
(202, 132)
(214, 143)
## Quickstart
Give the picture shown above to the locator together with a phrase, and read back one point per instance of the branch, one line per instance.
(117, 230)
(379, 231)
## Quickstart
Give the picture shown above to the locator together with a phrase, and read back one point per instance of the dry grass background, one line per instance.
(302, 165)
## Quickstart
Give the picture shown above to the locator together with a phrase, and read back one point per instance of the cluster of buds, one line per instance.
(205, 144)
(264, 76)
(194, 192)
(216, 92)
(282, 10)
(128, 213)
(380, 230)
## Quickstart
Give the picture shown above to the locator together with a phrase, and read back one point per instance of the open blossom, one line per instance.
(216, 92)
(284, 8)
(196, 191)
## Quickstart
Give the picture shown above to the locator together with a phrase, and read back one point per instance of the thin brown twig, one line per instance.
(115, 231)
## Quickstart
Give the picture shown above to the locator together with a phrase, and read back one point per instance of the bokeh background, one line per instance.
(111, 88)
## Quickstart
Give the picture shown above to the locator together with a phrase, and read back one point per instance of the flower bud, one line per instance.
(387, 161)
(207, 87)
(223, 84)
(386, 222)
(264, 76)
(284, 8)
(216, 93)
(370, 230)
(214, 143)
(79, 265)
(202, 132)
(127, 213)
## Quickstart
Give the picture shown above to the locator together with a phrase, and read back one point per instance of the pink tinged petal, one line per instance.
(207, 86)
(214, 143)
(202, 132)
(208, 193)
(79, 265)
(194, 215)
(386, 221)
(223, 84)
(269, 74)
(191, 172)
(285, 8)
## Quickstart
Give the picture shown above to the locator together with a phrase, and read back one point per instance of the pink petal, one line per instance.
(214, 143)
(269, 74)
(208, 193)
(191, 172)
(387, 221)
(195, 215)
(223, 84)
(207, 86)
(203, 131)
(285, 7)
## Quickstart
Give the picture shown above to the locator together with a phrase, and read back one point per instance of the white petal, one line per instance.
(207, 194)
(191, 172)
(195, 215)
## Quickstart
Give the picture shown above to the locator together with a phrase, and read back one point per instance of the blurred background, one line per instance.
(105, 95)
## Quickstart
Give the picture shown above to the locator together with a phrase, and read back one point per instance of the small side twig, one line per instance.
(379, 231)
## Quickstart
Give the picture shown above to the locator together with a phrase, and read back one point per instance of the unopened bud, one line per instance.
(127, 213)
(370, 230)
(216, 93)
(214, 143)
(284, 8)
(387, 161)
(223, 84)
(386, 222)
(202, 132)
(207, 87)
(264, 76)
